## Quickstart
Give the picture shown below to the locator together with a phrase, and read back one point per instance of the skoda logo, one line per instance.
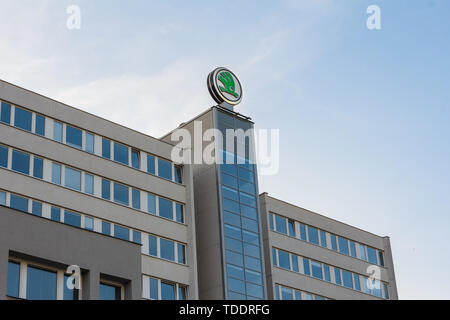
(224, 86)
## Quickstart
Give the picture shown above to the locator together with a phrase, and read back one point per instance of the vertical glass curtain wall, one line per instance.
(238, 190)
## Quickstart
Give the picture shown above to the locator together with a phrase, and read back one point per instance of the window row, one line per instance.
(322, 271)
(325, 239)
(86, 141)
(151, 244)
(61, 174)
(286, 293)
(157, 289)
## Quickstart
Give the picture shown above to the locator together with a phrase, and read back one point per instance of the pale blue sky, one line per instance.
(363, 115)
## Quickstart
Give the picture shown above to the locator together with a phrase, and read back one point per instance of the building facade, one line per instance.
(79, 191)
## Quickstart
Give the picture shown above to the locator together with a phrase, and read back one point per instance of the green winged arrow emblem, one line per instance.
(228, 83)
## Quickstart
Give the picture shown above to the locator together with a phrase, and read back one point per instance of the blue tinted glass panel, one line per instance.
(326, 271)
(40, 125)
(230, 205)
(298, 295)
(3, 157)
(121, 194)
(229, 181)
(230, 193)
(106, 189)
(121, 232)
(291, 226)
(89, 142)
(235, 272)
(178, 174)
(306, 267)
(352, 249)
(251, 250)
(167, 249)
(372, 255)
(233, 245)
(57, 131)
(108, 292)
(362, 250)
(12, 286)
(120, 153)
(347, 277)
(41, 284)
(167, 291)
(247, 175)
(136, 201)
(181, 253)
(251, 237)
(343, 245)
(68, 294)
(232, 219)
(137, 236)
(302, 232)
(356, 281)
(246, 186)
(294, 259)
(253, 276)
(88, 223)
(280, 224)
(249, 224)
(234, 258)
(271, 221)
(88, 183)
(151, 199)
(229, 168)
(236, 285)
(55, 214)
(274, 257)
(106, 228)
(73, 179)
(333, 242)
(6, 113)
(21, 162)
(56, 173)
(277, 292)
(179, 213)
(286, 293)
(323, 239)
(150, 164)
(385, 289)
(38, 168)
(106, 148)
(19, 203)
(164, 169)
(152, 245)
(72, 218)
(283, 260)
(255, 290)
(2, 198)
(135, 159)
(153, 288)
(337, 275)
(74, 137)
(316, 269)
(36, 208)
(247, 199)
(313, 235)
(22, 119)
(249, 212)
(165, 208)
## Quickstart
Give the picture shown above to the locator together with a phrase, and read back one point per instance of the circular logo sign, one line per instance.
(224, 86)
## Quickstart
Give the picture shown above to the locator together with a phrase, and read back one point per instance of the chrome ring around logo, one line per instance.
(224, 86)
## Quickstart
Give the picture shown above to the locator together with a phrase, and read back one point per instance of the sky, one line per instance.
(363, 114)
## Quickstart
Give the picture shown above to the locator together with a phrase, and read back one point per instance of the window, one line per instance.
(277, 292)
(165, 208)
(356, 281)
(2, 198)
(88, 183)
(72, 218)
(177, 171)
(136, 199)
(151, 201)
(347, 277)
(74, 137)
(106, 148)
(229, 181)
(22, 119)
(333, 242)
(73, 179)
(55, 214)
(298, 295)
(271, 221)
(294, 262)
(247, 199)
(109, 292)
(57, 131)
(167, 249)
(337, 276)
(121, 194)
(56, 173)
(89, 142)
(283, 260)
(323, 239)
(230, 193)
(326, 272)
(5, 115)
(167, 291)
(179, 213)
(233, 232)
(362, 251)
(245, 174)
(152, 246)
(3, 157)
(106, 189)
(38, 168)
(36, 208)
(306, 267)
(280, 224)
(154, 288)
(88, 223)
(137, 237)
(19, 203)
(40, 125)
(343, 246)
(41, 284)
(181, 293)
(69, 294)
(120, 153)
(291, 225)
(135, 158)
(254, 290)
(235, 272)
(21, 162)
(232, 206)
(106, 228)
(12, 286)
(236, 285)
(150, 164)
(274, 257)
(121, 232)
(352, 249)
(253, 276)
(286, 293)
(246, 186)
(380, 256)
(372, 255)
(302, 232)
(164, 169)
(313, 235)
(316, 268)
(385, 290)
(181, 253)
